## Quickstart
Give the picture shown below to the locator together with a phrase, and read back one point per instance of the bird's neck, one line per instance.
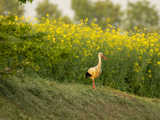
(99, 62)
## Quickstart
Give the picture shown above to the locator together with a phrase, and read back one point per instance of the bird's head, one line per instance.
(102, 56)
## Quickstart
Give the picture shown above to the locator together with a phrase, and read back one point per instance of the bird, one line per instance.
(94, 72)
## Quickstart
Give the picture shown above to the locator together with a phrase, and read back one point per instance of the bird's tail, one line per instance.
(88, 75)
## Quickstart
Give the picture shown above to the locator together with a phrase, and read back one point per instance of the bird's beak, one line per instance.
(104, 57)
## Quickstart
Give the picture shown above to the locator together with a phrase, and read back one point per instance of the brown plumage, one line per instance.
(95, 72)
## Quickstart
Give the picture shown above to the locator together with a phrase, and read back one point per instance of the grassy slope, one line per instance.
(39, 99)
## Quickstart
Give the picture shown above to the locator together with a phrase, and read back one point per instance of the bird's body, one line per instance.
(94, 72)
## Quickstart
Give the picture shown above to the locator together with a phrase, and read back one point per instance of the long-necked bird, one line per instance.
(95, 72)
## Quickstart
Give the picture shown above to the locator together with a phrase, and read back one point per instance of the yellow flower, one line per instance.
(49, 37)
(77, 56)
(158, 62)
(149, 71)
(54, 40)
(62, 41)
(135, 28)
(47, 15)
(16, 18)
(150, 76)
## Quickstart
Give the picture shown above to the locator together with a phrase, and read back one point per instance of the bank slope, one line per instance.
(34, 98)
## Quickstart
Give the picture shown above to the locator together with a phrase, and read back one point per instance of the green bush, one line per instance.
(64, 52)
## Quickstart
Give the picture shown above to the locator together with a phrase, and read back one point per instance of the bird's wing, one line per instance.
(92, 70)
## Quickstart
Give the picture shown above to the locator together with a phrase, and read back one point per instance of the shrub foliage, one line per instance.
(65, 52)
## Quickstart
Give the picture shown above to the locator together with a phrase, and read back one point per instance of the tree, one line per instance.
(103, 12)
(66, 20)
(24, 1)
(12, 7)
(141, 14)
(82, 9)
(45, 8)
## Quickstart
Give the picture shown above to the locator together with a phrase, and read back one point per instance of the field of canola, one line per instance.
(64, 52)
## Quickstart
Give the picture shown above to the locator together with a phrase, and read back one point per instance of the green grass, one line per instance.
(34, 98)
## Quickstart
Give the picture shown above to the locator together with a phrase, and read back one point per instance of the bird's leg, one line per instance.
(93, 83)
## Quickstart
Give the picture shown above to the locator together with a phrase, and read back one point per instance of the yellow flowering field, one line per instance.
(64, 52)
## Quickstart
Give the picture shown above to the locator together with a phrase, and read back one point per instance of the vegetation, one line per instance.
(11, 7)
(43, 65)
(46, 9)
(103, 12)
(64, 52)
(24, 1)
(34, 98)
(141, 14)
